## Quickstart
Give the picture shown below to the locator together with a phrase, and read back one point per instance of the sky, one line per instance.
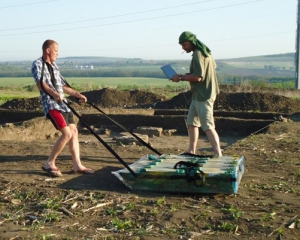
(146, 29)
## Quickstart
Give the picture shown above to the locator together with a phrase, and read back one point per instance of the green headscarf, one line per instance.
(188, 36)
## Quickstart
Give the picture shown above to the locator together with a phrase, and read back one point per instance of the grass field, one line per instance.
(11, 88)
(102, 82)
(261, 65)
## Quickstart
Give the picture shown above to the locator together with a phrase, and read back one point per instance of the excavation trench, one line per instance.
(227, 123)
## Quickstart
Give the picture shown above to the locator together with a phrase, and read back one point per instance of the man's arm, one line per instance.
(54, 94)
(197, 70)
(36, 73)
(74, 93)
(186, 77)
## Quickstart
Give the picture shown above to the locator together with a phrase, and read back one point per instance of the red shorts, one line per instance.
(60, 119)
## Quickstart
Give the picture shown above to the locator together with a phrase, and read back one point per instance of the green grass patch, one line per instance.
(98, 81)
(12, 88)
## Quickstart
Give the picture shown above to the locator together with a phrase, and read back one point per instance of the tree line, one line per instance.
(16, 72)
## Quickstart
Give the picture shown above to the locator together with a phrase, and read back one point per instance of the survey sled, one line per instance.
(184, 174)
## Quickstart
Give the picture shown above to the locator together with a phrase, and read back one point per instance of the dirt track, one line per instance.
(32, 204)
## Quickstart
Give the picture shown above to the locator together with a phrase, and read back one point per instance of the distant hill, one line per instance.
(288, 57)
(276, 65)
(90, 60)
(266, 65)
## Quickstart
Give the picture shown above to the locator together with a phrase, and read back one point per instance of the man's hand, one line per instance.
(82, 99)
(175, 78)
(59, 98)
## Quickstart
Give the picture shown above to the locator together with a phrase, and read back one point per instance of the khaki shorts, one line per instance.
(201, 114)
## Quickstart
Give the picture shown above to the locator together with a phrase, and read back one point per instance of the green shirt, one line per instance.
(204, 67)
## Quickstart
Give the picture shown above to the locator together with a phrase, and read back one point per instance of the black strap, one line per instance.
(101, 140)
(125, 129)
(115, 122)
(42, 77)
(53, 80)
(185, 164)
(192, 172)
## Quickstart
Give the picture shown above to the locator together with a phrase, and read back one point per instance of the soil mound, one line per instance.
(181, 101)
(256, 101)
(239, 101)
(107, 98)
(262, 101)
(28, 104)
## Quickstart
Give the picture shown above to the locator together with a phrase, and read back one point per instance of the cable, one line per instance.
(114, 16)
(136, 20)
(27, 4)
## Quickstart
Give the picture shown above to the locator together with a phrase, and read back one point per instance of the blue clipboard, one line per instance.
(168, 70)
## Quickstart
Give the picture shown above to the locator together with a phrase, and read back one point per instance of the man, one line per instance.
(204, 87)
(52, 88)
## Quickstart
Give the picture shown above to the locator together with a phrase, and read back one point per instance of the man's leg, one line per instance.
(58, 147)
(214, 140)
(74, 149)
(193, 138)
(206, 110)
(193, 124)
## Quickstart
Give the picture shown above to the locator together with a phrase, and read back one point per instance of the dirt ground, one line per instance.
(99, 206)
